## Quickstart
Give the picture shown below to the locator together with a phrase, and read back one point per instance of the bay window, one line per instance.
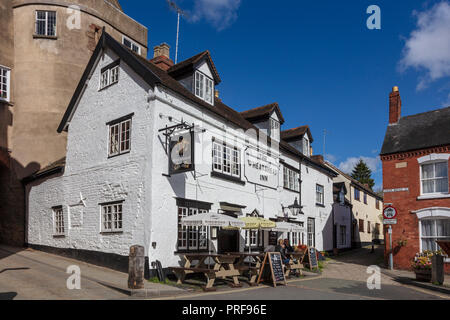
(432, 230)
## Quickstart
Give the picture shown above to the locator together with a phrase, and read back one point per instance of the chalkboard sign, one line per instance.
(273, 261)
(312, 258)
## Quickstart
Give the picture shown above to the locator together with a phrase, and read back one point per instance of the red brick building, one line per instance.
(415, 158)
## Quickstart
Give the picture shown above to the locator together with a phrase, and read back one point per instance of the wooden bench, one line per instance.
(181, 272)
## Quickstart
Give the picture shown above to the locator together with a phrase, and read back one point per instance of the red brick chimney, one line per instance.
(161, 57)
(395, 106)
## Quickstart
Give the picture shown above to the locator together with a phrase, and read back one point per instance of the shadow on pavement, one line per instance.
(423, 285)
(7, 295)
(7, 251)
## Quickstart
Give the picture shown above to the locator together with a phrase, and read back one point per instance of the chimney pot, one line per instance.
(161, 56)
(395, 106)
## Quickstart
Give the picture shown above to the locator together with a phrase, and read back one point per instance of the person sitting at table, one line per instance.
(281, 248)
(288, 246)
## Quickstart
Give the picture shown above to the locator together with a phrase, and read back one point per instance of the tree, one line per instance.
(363, 174)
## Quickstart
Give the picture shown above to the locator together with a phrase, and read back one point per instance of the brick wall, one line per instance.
(403, 171)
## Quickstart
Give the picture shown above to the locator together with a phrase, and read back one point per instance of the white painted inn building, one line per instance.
(150, 142)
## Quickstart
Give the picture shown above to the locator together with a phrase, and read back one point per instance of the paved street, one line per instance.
(344, 278)
(29, 274)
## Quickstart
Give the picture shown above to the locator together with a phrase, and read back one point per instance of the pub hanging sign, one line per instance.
(181, 152)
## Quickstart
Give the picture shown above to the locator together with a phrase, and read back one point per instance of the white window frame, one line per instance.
(192, 238)
(311, 232)
(121, 145)
(434, 219)
(320, 194)
(115, 210)
(46, 23)
(109, 77)
(305, 147)
(59, 228)
(434, 178)
(226, 159)
(202, 83)
(7, 79)
(132, 43)
(291, 179)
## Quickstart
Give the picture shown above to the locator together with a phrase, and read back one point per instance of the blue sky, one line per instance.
(318, 60)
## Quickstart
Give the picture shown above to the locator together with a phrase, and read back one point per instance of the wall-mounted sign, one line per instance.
(181, 153)
(396, 190)
(261, 169)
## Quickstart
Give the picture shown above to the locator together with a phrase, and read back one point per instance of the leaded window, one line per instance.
(112, 217)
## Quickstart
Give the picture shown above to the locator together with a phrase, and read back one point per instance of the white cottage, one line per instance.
(149, 143)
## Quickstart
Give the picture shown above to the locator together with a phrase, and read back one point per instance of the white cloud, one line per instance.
(219, 13)
(348, 165)
(428, 47)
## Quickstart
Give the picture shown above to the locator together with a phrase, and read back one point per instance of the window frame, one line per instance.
(106, 73)
(59, 227)
(362, 226)
(36, 19)
(200, 90)
(421, 165)
(132, 42)
(291, 179)
(8, 83)
(119, 123)
(113, 229)
(311, 232)
(186, 232)
(321, 195)
(225, 156)
(434, 220)
(357, 192)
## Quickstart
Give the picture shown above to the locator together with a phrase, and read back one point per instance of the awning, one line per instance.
(230, 207)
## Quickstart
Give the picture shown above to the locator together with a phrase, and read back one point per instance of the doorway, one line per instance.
(228, 241)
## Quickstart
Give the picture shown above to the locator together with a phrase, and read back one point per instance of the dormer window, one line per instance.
(274, 129)
(306, 147)
(204, 87)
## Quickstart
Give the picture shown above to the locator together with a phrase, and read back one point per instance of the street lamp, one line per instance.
(295, 208)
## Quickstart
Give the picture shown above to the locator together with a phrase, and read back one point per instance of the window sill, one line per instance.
(434, 196)
(191, 251)
(290, 190)
(320, 205)
(108, 86)
(118, 155)
(38, 36)
(59, 236)
(227, 177)
(106, 233)
(3, 101)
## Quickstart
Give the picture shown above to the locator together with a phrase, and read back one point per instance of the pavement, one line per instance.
(27, 274)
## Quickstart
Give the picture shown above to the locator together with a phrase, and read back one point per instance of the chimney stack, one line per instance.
(161, 57)
(395, 106)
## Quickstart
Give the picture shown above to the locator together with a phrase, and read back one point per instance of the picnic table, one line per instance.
(253, 264)
(222, 267)
(295, 262)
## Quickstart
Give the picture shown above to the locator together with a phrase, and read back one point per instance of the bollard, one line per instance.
(136, 266)
(437, 272)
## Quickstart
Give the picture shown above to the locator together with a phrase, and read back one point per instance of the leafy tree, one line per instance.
(363, 174)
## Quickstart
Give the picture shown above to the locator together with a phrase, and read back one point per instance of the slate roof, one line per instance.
(295, 133)
(188, 65)
(420, 131)
(355, 182)
(263, 113)
(154, 75)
